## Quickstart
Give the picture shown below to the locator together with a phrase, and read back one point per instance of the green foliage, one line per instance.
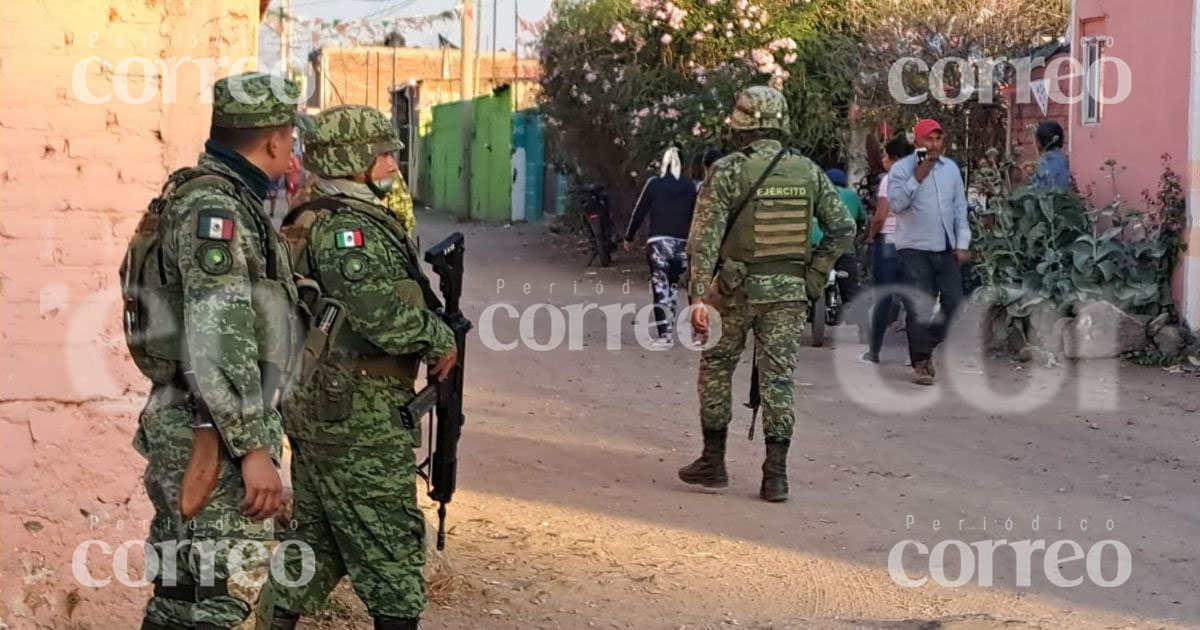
(1047, 248)
(623, 80)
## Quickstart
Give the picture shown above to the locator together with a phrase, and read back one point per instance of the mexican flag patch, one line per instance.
(214, 227)
(349, 239)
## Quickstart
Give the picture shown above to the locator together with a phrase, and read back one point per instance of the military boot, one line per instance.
(774, 483)
(284, 620)
(395, 623)
(709, 469)
(150, 625)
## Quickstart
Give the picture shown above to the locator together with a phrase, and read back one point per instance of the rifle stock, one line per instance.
(444, 398)
(204, 461)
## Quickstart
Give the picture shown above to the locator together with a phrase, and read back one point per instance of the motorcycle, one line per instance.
(827, 310)
(597, 221)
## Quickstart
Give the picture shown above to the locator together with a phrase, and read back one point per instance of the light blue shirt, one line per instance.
(930, 213)
(1053, 171)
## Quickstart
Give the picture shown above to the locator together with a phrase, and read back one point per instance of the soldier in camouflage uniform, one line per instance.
(766, 275)
(353, 470)
(210, 315)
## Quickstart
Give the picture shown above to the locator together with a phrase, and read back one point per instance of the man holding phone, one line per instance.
(927, 196)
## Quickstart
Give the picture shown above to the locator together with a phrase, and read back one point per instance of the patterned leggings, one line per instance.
(668, 260)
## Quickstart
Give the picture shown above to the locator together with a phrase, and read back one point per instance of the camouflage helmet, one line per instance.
(759, 107)
(345, 140)
(254, 100)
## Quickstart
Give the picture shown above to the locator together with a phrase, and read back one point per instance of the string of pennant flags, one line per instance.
(369, 30)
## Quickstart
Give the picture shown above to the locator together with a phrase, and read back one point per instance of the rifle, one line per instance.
(755, 400)
(442, 400)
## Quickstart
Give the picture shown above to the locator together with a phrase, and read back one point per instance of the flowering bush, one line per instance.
(624, 79)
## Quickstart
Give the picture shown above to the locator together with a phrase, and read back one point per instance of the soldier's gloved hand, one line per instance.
(815, 283)
(263, 487)
(442, 368)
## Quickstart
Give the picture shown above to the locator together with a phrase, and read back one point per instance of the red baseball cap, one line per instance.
(926, 126)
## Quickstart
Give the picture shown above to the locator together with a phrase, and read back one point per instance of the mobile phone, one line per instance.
(922, 153)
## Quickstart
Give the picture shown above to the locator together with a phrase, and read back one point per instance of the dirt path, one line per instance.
(570, 515)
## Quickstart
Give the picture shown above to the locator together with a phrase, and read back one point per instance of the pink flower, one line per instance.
(697, 129)
(666, 38)
(790, 58)
(617, 33)
(591, 77)
(698, 36)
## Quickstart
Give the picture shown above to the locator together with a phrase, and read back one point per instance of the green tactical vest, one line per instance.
(341, 342)
(153, 294)
(771, 235)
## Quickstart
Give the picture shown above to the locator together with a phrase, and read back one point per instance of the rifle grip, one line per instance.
(200, 476)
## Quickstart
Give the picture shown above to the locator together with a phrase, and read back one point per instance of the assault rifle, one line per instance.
(443, 399)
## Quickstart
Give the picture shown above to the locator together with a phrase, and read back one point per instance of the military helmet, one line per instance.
(253, 100)
(345, 140)
(759, 107)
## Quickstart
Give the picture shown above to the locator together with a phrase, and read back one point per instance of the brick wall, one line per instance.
(365, 75)
(1024, 119)
(74, 178)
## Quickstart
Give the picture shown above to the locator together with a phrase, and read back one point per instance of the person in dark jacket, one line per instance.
(667, 200)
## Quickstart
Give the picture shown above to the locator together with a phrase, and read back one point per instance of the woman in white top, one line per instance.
(885, 260)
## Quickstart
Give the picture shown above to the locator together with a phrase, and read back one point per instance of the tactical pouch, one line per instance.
(276, 323)
(334, 385)
(731, 277)
(409, 292)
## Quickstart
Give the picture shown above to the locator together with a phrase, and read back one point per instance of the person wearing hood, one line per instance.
(667, 200)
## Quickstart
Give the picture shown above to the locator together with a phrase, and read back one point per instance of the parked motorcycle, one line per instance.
(827, 310)
(593, 203)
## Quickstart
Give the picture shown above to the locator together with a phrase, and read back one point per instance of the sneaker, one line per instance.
(921, 373)
(869, 357)
(662, 343)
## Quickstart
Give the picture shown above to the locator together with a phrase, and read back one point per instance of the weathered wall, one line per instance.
(365, 75)
(74, 178)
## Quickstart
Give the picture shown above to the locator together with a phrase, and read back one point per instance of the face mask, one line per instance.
(381, 187)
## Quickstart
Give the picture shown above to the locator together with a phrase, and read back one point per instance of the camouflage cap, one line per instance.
(346, 139)
(254, 100)
(759, 107)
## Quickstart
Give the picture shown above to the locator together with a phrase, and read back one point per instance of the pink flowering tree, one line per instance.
(624, 79)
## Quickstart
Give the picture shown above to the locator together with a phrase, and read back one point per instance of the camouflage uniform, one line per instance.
(353, 470)
(768, 298)
(218, 252)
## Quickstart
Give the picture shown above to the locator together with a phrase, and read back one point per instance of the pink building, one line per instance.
(1143, 60)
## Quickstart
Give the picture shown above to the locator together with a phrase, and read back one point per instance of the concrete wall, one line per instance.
(1154, 40)
(74, 178)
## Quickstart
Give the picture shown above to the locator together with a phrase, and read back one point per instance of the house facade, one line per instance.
(90, 132)
(1135, 98)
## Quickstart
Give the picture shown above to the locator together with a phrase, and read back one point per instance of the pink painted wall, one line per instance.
(74, 177)
(1153, 38)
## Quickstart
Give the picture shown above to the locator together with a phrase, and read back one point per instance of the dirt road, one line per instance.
(570, 514)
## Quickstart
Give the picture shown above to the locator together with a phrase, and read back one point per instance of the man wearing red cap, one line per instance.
(926, 193)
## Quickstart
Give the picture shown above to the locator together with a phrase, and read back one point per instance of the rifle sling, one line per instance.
(333, 203)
